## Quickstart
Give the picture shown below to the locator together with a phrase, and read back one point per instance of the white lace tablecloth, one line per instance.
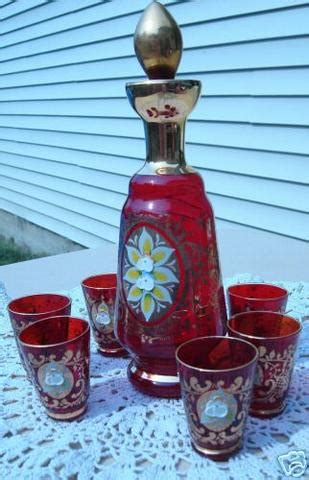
(126, 435)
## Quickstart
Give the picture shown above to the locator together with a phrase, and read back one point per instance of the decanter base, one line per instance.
(113, 352)
(158, 385)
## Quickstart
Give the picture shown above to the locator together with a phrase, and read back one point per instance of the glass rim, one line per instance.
(286, 294)
(256, 337)
(49, 345)
(219, 370)
(69, 302)
(158, 81)
(95, 276)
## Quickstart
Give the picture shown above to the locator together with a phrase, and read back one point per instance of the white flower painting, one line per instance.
(150, 273)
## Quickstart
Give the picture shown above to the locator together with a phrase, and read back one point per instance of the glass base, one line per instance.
(67, 416)
(158, 385)
(219, 455)
(113, 352)
(263, 413)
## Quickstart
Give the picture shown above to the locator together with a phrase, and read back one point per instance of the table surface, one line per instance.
(242, 250)
(125, 434)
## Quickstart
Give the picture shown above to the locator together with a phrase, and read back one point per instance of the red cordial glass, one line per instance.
(244, 297)
(26, 310)
(275, 336)
(216, 377)
(29, 309)
(56, 354)
(100, 294)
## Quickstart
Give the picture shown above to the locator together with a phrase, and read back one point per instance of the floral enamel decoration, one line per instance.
(168, 112)
(150, 273)
(103, 317)
(101, 311)
(160, 108)
(217, 409)
(62, 382)
(55, 379)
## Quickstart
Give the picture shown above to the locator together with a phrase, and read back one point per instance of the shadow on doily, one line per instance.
(110, 395)
(101, 365)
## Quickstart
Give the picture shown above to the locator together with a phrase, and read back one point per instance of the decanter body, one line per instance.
(169, 281)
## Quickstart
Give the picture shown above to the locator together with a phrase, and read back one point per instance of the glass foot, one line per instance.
(67, 416)
(219, 455)
(260, 413)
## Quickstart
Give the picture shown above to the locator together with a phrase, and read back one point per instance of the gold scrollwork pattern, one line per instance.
(208, 298)
(55, 378)
(273, 374)
(235, 398)
(20, 325)
(101, 314)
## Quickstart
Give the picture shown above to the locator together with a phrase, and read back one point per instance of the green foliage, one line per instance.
(11, 253)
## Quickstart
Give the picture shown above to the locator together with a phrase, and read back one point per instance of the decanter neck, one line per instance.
(165, 143)
(164, 106)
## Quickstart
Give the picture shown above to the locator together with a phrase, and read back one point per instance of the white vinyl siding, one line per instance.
(69, 140)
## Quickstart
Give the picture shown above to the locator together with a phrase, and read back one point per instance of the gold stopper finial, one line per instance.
(158, 42)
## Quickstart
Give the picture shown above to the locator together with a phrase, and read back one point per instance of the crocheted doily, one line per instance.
(126, 435)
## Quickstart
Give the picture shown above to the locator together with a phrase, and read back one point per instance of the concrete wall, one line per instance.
(33, 237)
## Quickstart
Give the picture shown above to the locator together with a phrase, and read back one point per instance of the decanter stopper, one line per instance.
(158, 42)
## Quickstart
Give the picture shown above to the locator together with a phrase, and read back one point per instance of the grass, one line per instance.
(12, 253)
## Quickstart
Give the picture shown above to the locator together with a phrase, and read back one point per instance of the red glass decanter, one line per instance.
(169, 280)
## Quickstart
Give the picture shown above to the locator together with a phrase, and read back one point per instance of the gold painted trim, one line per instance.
(111, 350)
(217, 453)
(192, 367)
(254, 337)
(267, 413)
(67, 416)
(153, 377)
(98, 275)
(69, 302)
(54, 344)
(157, 81)
(257, 299)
